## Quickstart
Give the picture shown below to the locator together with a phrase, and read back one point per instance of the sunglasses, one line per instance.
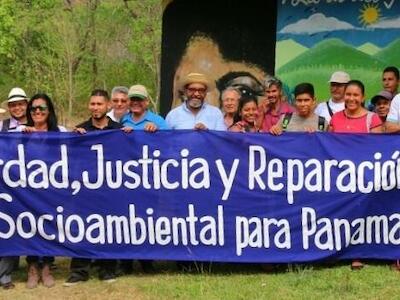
(194, 90)
(41, 108)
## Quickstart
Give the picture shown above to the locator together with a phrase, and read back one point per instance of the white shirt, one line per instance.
(182, 118)
(394, 112)
(112, 116)
(322, 109)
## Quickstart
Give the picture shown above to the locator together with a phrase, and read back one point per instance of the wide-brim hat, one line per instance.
(16, 94)
(195, 78)
(382, 95)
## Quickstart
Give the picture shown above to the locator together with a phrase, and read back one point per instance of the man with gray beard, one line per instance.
(195, 112)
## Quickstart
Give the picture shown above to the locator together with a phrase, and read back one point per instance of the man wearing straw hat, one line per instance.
(195, 112)
(17, 102)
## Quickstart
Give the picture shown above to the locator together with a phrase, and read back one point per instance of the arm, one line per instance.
(392, 120)
(28, 129)
(276, 130)
(376, 124)
(220, 122)
(236, 128)
(390, 127)
(80, 130)
(378, 129)
(262, 109)
(150, 127)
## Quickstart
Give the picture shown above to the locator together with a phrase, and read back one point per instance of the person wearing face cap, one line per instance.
(195, 112)
(140, 118)
(381, 103)
(337, 83)
(17, 103)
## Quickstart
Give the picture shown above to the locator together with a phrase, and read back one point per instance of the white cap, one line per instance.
(340, 77)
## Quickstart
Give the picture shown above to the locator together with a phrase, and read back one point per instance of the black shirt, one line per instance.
(88, 125)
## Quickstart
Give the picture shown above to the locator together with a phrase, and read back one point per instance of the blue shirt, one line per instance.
(182, 118)
(148, 117)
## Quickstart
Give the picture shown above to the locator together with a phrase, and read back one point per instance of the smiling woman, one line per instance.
(41, 115)
(355, 118)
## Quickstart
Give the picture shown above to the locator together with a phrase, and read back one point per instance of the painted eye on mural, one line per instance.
(245, 82)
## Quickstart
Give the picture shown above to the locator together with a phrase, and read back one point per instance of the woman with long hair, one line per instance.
(245, 119)
(41, 117)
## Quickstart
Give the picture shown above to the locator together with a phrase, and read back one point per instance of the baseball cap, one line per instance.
(340, 77)
(138, 91)
(382, 94)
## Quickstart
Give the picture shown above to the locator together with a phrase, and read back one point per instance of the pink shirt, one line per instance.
(272, 118)
(340, 122)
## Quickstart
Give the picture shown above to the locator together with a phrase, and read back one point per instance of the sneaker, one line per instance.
(8, 285)
(71, 281)
(109, 278)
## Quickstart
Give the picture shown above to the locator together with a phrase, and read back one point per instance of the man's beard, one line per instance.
(195, 103)
(100, 117)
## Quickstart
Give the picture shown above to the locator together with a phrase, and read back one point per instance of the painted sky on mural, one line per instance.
(354, 22)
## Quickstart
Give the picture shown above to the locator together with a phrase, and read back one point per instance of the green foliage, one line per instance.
(66, 50)
(7, 37)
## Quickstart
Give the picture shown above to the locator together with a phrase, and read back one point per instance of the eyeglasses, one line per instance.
(41, 108)
(194, 90)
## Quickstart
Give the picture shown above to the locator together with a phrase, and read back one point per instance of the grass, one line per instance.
(224, 281)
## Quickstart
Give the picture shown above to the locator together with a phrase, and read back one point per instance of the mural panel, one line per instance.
(231, 42)
(316, 38)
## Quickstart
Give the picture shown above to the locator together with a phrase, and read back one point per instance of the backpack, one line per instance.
(288, 117)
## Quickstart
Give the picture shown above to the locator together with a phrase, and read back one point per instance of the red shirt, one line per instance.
(340, 122)
(271, 118)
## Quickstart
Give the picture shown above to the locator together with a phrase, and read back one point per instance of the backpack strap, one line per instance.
(370, 114)
(286, 120)
(321, 123)
(6, 125)
(329, 108)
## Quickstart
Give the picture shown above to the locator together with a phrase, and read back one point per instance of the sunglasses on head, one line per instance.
(39, 107)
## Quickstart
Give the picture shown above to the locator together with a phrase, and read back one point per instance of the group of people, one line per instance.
(239, 111)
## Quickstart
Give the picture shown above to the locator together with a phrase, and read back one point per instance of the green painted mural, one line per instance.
(314, 40)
